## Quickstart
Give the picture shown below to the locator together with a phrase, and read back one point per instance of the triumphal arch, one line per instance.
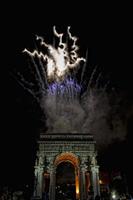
(76, 149)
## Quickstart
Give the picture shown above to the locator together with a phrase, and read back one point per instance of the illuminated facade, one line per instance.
(80, 151)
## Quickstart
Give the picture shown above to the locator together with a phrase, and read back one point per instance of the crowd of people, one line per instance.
(8, 194)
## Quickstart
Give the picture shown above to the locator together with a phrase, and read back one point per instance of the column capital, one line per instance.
(83, 166)
(93, 160)
(94, 169)
(51, 168)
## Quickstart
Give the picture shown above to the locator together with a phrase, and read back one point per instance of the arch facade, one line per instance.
(77, 149)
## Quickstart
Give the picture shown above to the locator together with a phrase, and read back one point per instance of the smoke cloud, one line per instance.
(70, 105)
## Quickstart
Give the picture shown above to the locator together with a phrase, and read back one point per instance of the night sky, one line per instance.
(108, 46)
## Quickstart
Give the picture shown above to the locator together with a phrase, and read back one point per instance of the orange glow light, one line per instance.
(100, 182)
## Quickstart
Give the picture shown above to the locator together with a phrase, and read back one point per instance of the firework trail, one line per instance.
(68, 106)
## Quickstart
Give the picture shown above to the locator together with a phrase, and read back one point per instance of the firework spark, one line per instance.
(58, 61)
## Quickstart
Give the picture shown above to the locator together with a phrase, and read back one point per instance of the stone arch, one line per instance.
(73, 148)
(74, 160)
(67, 157)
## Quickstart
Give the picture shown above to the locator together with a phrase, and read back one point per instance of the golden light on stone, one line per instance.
(77, 186)
(100, 182)
(70, 157)
(64, 157)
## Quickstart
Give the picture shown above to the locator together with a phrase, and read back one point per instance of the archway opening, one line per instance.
(65, 181)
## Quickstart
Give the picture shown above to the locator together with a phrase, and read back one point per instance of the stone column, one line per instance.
(38, 182)
(52, 183)
(82, 182)
(95, 179)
